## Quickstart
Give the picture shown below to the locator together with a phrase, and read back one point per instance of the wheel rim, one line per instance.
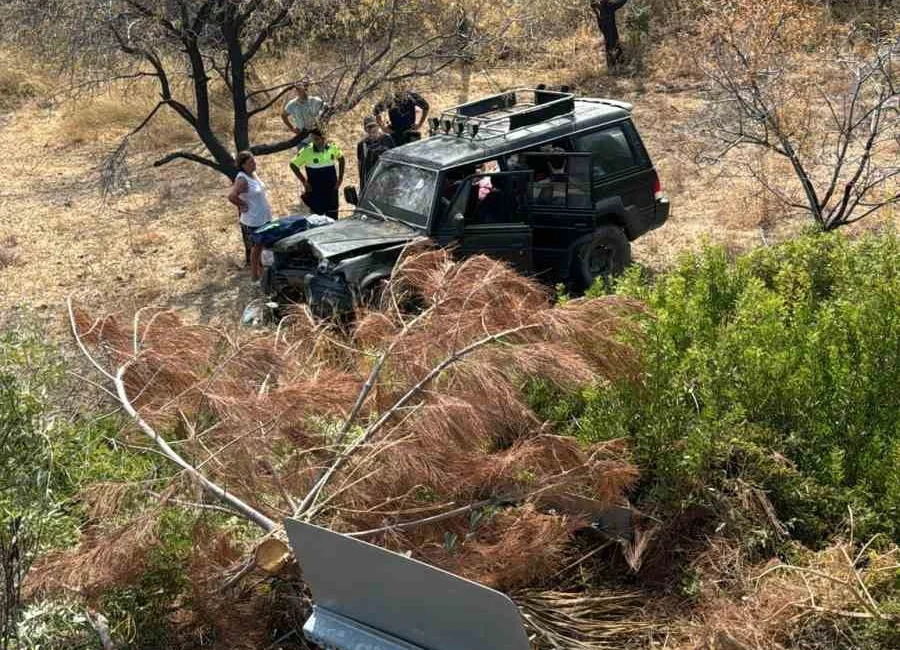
(601, 261)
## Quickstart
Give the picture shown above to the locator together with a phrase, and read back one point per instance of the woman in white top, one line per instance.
(248, 193)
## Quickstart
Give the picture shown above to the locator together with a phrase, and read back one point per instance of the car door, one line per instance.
(621, 170)
(489, 215)
(562, 209)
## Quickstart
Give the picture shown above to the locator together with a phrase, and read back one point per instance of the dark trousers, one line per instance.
(323, 200)
(606, 21)
(406, 136)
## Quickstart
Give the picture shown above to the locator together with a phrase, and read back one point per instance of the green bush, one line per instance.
(139, 614)
(781, 368)
(48, 456)
(29, 518)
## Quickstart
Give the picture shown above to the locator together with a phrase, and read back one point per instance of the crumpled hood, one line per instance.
(354, 235)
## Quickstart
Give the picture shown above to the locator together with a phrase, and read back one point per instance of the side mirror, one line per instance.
(459, 224)
(350, 195)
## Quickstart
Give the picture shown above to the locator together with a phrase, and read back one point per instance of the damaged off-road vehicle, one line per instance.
(556, 185)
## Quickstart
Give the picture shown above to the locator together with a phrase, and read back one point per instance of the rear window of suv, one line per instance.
(610, 149)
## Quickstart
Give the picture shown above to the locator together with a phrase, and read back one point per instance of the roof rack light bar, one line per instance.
(513, 109)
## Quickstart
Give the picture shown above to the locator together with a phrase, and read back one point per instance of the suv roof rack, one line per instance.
(499, 114)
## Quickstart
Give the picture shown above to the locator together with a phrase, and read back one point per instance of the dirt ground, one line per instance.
(172, 239)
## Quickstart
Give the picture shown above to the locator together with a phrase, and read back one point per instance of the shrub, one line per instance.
(48, 461)
(27, 509)
(16, 85)
(780, 369)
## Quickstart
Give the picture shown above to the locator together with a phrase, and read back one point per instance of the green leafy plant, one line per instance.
(779, 369)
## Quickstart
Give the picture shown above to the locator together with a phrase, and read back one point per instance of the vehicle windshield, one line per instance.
(401, 192)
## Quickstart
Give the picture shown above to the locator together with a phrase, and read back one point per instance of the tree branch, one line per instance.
(282, 19)
(372, 429)
(275, 147)
(264, 107)
(426, 520)
(187, 155)
(118, 380)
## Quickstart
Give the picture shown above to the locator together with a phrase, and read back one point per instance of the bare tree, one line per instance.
(832, 117)
(189, 48)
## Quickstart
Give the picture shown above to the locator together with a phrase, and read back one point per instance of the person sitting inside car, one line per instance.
(549, 175)
(484, 182)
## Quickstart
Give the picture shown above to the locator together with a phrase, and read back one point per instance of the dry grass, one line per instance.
(19, 81)
(772, 605)
(592, 620)
(8, 255)
(109, 116)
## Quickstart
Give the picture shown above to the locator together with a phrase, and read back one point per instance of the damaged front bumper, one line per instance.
(327, 295)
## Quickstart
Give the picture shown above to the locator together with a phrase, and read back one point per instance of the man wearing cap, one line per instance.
(323, 162)
(402, 108)
(302, 112)
(370, 148)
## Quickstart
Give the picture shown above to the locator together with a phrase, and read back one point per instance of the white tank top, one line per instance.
(259, 212)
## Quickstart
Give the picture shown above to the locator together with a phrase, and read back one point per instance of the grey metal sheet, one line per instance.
(402, 597)
(331, 630)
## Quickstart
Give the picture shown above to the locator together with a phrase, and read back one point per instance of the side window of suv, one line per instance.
(610, 150)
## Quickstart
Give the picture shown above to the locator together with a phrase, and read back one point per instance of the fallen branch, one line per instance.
(406, 525)
(118, 380)
(310, 498)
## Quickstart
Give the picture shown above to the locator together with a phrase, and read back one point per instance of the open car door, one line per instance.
(491, 216)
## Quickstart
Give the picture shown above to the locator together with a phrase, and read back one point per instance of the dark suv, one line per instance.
(554, 184)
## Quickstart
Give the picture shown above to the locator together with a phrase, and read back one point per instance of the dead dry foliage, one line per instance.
(811, 602)
(408, 430)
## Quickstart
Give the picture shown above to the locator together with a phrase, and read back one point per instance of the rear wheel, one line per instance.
(605, 256)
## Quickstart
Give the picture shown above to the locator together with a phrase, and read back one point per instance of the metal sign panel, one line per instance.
(404, 598)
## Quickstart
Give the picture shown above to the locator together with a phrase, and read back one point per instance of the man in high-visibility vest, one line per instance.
(324, 164)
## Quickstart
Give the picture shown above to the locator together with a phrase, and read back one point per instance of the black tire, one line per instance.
(605, 256)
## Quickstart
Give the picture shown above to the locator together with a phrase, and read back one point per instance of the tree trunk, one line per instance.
(465, 80)
(232, 33)
(201, 96)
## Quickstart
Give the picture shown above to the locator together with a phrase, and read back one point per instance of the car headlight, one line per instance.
(267, 257)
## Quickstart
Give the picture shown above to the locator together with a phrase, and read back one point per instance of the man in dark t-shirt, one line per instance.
(402, 108)
(370, 148)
